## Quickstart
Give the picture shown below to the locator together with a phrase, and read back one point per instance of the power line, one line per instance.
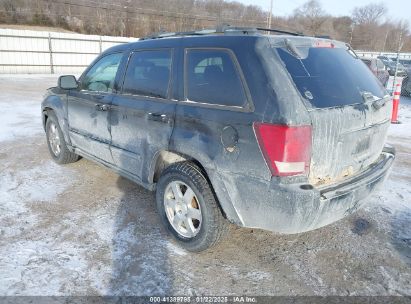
(154, 12)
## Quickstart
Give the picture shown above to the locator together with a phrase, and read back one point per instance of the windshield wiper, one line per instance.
(292, 48)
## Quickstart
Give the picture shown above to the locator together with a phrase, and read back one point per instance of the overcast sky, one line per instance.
(396, 8)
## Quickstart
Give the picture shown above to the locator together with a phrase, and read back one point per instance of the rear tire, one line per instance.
(56, 143)
(188, 207)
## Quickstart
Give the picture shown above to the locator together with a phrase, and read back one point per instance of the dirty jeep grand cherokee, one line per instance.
(279, 132)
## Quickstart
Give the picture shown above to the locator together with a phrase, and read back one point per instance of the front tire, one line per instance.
(188, 207)
(56, 143)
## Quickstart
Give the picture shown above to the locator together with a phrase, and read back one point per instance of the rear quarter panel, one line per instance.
(223, 139)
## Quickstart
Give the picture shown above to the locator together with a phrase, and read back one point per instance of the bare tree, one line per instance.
(342, 27)
(367, 30)
(311, 16)
(369, 14)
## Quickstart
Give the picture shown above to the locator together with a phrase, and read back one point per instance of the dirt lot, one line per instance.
(83, 230)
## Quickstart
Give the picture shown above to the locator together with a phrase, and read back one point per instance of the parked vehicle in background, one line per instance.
(392, 66)
(406, 63)
(406, 83)
(278, 132)
(406, 87)
(378, 68)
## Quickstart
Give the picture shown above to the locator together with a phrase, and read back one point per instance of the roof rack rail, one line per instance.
(221, 29)
(280, 31)
(174, 34)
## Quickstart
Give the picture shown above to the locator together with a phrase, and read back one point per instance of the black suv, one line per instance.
(280, 132)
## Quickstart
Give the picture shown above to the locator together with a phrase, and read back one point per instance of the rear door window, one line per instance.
(212, 77)
(329, 77)
(148, 73)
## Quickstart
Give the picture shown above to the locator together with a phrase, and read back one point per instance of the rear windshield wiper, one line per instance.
(292, 48)
(351, 51)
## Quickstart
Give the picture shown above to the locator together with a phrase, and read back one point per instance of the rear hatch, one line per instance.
(348, 107)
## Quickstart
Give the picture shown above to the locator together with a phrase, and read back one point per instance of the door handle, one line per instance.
(102, 107)
(158, 117)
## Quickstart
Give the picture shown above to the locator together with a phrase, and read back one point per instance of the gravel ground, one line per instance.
(83, 230)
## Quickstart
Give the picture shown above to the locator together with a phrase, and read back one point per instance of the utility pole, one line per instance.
(385, 41)
(400, 45)
(352, 32)
(127, 23)
(271, 14)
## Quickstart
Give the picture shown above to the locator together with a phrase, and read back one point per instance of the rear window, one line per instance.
(148, 73)
(329, 77)
(212, 77)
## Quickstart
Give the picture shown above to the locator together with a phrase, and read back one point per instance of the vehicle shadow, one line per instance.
(139, 259)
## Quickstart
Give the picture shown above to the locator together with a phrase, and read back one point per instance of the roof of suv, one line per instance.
(232, 32)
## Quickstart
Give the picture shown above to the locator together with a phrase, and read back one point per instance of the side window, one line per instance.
(148, 73)
(100, 78)
(211, 77)
(380, 65)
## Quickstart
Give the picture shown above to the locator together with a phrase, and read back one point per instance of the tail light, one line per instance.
(287, 150)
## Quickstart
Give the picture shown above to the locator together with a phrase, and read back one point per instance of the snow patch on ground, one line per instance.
(404, 116)
(139, 263)
(37, 268)
(39, 183)
(12, 215)
(34, 266)
(395, 195)
(20, 114)
(16, 118)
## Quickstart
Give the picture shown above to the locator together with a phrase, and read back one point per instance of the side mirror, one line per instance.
(67, 82)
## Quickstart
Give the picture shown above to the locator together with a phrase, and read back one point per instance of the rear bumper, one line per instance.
(295, 208)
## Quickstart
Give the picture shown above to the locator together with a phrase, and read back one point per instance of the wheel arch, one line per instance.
(166, 158)
(45, 115)
(58, 111)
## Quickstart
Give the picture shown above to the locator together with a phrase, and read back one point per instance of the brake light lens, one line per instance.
(287, 150)
(324, 44)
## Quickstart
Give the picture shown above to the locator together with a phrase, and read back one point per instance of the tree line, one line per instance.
(366, 28)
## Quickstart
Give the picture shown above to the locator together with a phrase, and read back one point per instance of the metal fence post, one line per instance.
(51, 55)
(101, 45)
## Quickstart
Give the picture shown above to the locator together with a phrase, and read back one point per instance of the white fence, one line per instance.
(23, 51)
(376, 54)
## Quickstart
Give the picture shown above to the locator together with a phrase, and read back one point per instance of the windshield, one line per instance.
(330, 77)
